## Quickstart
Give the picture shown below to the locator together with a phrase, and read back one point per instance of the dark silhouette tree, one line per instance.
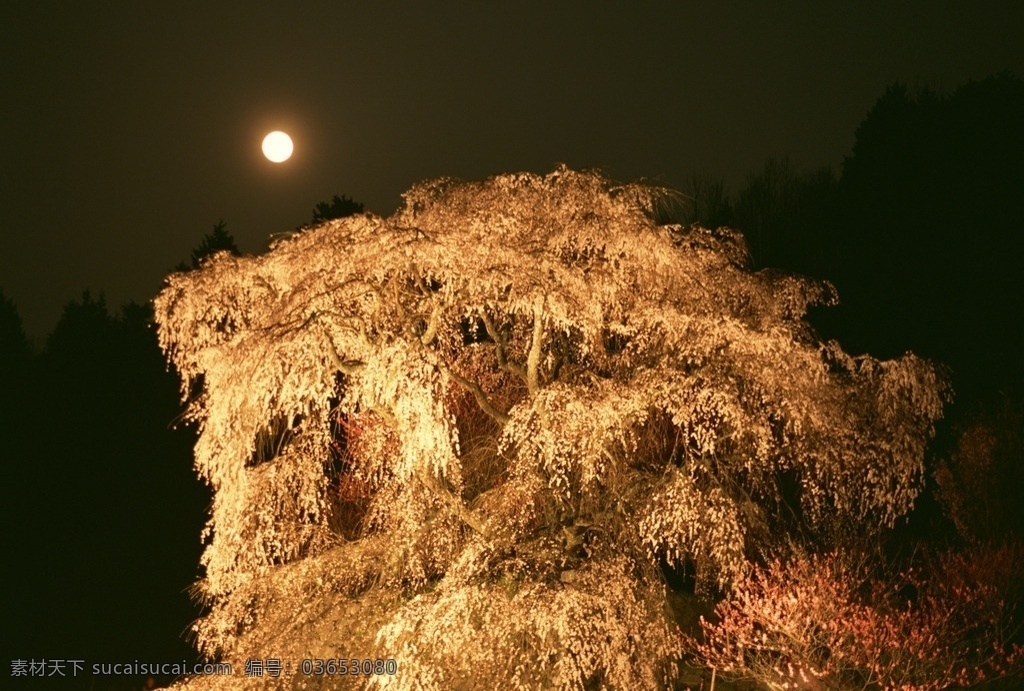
(338, 207)
(20, 448)
(217, 240)
(14, 346)
(109, 487)
(705, 202)
(84, 330)
(787, 216)
(930, 213)
(15, 362)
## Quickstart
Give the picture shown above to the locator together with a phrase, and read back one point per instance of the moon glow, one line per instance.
(277, 147)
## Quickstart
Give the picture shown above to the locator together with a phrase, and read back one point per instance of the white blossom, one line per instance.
(519, 397)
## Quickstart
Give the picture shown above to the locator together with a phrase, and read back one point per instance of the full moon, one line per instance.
(277, 147)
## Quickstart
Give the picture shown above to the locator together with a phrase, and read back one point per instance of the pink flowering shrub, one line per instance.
(823, 622)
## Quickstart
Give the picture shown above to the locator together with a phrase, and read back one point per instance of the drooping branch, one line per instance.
(533, 359)
(348, 367)
(500, 348)
(432, 325)
(454, 503)
(481, 397)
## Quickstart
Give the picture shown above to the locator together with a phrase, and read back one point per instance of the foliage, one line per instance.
(14, 346)
(82, 328)
(978, 485)
(786, 215)
(217, 240)
(89, 455)
(929, 200)
(706, 202)
(338, 207)
(467, 436)
(826, 622)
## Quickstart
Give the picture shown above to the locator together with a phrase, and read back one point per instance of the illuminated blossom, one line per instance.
(827, 622)
(468, 436)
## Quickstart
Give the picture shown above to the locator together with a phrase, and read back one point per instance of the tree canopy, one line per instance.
(471, 436)
(930, 205)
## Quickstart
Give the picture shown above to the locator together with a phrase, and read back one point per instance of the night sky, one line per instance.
(132, 128)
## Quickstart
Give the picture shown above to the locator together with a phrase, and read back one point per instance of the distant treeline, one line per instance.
(102, 510)
(921, 232)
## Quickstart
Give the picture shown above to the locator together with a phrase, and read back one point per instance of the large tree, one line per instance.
(474, 435)
(929, 212)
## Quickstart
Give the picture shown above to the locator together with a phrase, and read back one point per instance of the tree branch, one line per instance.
(453, 502)
(478, 393)
(348, 367)
(499, 345)
(432, 325)
(533, 359)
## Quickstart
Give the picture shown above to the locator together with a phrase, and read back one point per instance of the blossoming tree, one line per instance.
(469, 436)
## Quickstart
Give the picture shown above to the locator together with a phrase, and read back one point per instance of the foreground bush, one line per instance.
(826, 622)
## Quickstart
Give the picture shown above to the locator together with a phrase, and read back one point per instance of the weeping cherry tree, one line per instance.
(474, 436)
